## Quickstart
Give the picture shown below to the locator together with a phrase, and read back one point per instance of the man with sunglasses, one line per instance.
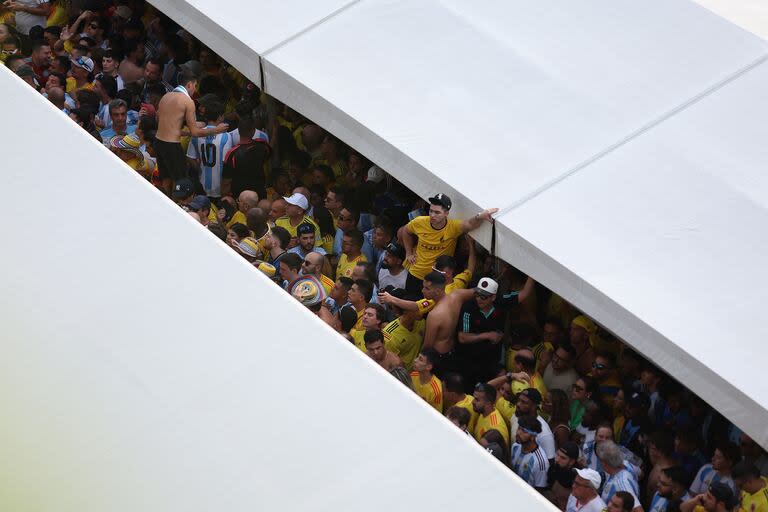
(584, 497)
(427, 237)
(313, 266)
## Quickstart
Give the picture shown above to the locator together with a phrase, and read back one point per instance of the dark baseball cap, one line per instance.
(199, 203)
(570, 449)
(183, 188)
(441, 200)
(396, 250)
(192, 68)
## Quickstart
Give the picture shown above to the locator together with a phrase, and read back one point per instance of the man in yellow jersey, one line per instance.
(374, 347)
(372, 319)
(488, 417)
(454, 395)
(447, 265)
(296, 208)
(753, 487)
(358, 296)
(425, 384)
(351, 247)
(405, 334)
(525, 374)
(245, 201)
(718, 498)
(427, 237)
(313, 265)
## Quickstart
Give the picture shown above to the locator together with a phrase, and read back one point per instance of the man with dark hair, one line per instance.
(460, 417)
(672, 484)
(244, 163)
(175, 111)
(306, 237)
(374, 316)
(206, 154)
(40, 61)
(118, 114)
(153, 76)
(105, 88)
(376, 240)
(374, 346)
(109, 65)
(718, 497)
(334, 202)
(425, 383)
(359, 296)
(661, 447)
(484, 398)
(392, 272)
(404, 335)
(753, 487)
(528, 459)
(559, 373)
(290, 269)
(454, 396)
(82, 71)
(351, 253)
(725, 457)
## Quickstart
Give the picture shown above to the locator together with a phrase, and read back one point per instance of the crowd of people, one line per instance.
(572, 410)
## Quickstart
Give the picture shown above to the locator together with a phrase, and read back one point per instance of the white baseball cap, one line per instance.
(375, 174)
(298, 200)
(487, 286)
(591, 476)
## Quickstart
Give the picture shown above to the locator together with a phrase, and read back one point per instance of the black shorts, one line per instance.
(171, 161)
(413, 284)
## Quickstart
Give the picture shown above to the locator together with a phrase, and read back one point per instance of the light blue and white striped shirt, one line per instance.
(210, 152)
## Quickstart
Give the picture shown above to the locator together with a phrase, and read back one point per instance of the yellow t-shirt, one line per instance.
(358, 335)
(432, 243)
(327, 244)
(466, 403)
(493, 421)
(506, 408)
(432, 391)
(536, 382)
(237, 217)
(285, 222)
(403, 343)
(327, 283)
(757, 502)
(539, 349)
(346, 267)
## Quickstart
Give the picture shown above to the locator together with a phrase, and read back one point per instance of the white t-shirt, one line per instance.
(386, 278)
(545, 439)
(25, 21)
(595, 505)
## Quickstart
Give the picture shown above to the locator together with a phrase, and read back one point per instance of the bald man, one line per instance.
(277, 210)
(256, 220)
(313, 265)
(56, 96)
(265, 204)
(245, 201)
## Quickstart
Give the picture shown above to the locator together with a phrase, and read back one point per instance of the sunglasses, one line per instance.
(598, 366)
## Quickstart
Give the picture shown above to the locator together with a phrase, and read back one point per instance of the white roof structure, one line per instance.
(624, 142)
(148, 367)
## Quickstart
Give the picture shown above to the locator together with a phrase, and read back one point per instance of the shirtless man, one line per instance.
(176, 110)
(374, 347)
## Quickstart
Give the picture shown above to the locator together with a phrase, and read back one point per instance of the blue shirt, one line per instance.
(531, 467)
(623, 480)
(109, 132)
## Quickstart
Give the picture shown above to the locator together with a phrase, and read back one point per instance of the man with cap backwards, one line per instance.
(584, 497)
(528, 459)
(176, 110)
(392, 272)
(296, 215)
(427, 237)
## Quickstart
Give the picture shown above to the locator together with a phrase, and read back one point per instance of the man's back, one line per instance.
(171, 112)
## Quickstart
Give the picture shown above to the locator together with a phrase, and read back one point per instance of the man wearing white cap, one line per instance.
(584, 497)
(296, 215)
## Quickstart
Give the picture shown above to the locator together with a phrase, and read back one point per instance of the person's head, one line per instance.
(604, 432)
(236, 233)
(55, 80)
(279, 237)
(118, 112)
(485, 293)
(324, 220)
(593, 415)
(290, 265)
(528, 427)
(95, 29)
(277, 209)
(483, 398)
(383, 231)
(745, 474)
(637, 405)
(296, 205)
(433, 286)
(673, 482)
(394, 255)
(528, 401)
(552, 331)
(725, 457)
(341, 289)
(306, 236)
(374, 344)
(447, 265)
(622, 501)
(453, 387)
(525, 361)
(56, 96)
(661, 446)
(322, 175)
(459, 416)
(5, 32)
(603, 365)
(106, 87)
(10, 55)
(313, 264)
(650, 377)
(374, 316)
(352, 242)
(440, 206)
(425, 361)
(348, 218)
(610, 456)
(348, 318)
(582, 328)
(582, 389)
(246, 200)
(557, 405)
(563, 357)
(687, 441)
(214, 109)
(360, 292)
(719, 498)
(312, 136)
(334, 199)
(109, 63)
(586, 482)
(153, 71)
(567, 455)
(82, 69)
(41, 54)
(82, 116)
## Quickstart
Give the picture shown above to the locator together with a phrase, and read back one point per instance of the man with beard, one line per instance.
(561, 474)
(392, 272)
(528, 459)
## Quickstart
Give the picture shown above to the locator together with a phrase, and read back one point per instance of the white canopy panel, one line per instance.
(145, 366)
(749, 14)
(622, 141)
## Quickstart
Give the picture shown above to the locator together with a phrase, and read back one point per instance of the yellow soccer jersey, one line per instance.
(460, 281)
(347, 266)
(493, 421)
(466, 403)
(757, 502)
(327, 283)
(536, 382)
(432, 243)
(358, 335)
(403, 343)
(285, 222)
(432, 391)
(238, 217)
(506, 408)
